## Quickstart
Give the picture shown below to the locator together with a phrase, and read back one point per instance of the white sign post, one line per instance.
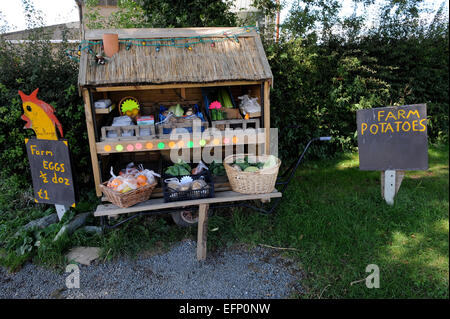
(390, 183)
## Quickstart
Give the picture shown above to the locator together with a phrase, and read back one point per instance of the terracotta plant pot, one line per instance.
(110, 43)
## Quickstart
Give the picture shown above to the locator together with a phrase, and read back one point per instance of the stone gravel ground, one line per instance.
(236, 272)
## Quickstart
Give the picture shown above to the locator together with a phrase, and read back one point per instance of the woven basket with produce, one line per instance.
(132, 186)
(250, 174)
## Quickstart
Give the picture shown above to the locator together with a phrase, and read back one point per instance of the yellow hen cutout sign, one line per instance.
(40, 117)
(48, 155)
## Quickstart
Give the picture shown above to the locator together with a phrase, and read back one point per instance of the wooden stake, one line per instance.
(202, 231)
(61, 210)
(390, 184)
(267, 115)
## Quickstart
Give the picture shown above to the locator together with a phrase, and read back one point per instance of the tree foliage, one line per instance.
(37, 63)
(162, 14)
(327, 66)
(188, 13)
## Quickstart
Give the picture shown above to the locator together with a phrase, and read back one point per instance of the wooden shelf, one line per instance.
(158, 203)
(158, 144)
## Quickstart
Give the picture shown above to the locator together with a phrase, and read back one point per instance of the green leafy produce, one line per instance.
(244, 164)
(271, 162)
(177, 110)
(179, 169)
(251, 169)
(217, 169)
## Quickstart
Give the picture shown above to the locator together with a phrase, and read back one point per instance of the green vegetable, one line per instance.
(251, 169)
(225, 99)
(177, 110)
(179, 169)
(271, 162)
(217, 169)
(172, 109)
(244, 164)
(216, 115)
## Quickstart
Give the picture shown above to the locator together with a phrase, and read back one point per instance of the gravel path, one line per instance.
(232, 273)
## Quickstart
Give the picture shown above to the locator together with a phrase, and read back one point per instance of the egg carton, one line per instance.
(128, 132)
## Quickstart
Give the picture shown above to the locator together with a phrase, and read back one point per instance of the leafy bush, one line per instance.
(321, 76)
(31, 65)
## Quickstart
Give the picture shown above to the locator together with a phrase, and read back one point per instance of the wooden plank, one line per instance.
(172, 86)
(156, 33)
(83, 66)
(183, 93)
(202, 231)
(91, 136)
(267, 115)
(156, 204)
(264, 61)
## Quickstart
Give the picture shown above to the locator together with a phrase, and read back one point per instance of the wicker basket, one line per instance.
(130, 198)
(260, 182)
(128, 98)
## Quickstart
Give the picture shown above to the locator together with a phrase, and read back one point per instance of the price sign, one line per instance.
(393, 138)
(51, 171)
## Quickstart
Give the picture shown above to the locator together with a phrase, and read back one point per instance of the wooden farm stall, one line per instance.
(163, 67)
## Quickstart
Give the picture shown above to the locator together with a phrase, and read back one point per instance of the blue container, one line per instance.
(197, 112)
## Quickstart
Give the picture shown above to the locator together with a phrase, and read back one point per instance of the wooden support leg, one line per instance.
(91, 136)
(202, 231)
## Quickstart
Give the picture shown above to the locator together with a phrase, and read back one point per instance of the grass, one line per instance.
(332, 214)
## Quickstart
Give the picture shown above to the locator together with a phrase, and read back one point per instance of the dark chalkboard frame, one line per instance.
(392, 151)
(55, 193)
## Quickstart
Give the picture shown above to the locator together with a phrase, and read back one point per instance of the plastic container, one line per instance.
(207, 192)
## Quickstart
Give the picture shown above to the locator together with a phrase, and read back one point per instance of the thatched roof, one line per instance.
(227, 61)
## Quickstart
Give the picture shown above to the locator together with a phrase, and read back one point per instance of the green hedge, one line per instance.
(320, 87)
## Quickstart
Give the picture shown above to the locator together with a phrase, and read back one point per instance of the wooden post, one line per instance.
(390, 184)
(61, 210)
(202, 231)
(267, 115)
(91, 136)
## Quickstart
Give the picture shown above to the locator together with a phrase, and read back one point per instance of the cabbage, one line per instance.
(179, 110)
(271, 162)
(172, 109)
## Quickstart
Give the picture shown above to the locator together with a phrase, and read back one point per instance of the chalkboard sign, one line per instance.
(51, 171)
(393, 138)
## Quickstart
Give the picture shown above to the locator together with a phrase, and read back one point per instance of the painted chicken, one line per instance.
(40, 117)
